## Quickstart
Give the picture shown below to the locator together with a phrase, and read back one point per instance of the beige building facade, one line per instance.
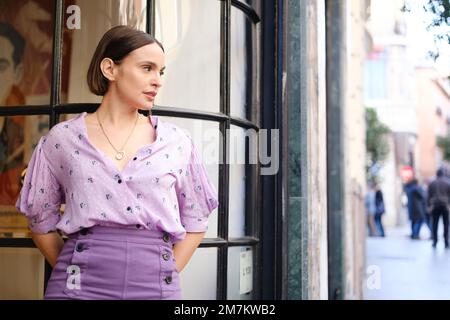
(433, 117)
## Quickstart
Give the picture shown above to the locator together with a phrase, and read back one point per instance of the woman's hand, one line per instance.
(50, 245)
(184, 249)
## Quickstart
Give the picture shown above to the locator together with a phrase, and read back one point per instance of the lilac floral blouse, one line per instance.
(165, 186)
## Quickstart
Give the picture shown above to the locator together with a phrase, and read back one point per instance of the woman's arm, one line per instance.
(50, 245)
(184, 249)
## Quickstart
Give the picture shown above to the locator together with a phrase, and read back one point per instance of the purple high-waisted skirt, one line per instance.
(115, 263)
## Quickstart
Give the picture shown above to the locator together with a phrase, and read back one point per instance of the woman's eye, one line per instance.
(149, 68)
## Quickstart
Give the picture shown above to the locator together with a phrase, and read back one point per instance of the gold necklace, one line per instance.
(119, 154)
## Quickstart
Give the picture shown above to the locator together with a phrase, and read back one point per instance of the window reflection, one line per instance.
(199, 279)
(241, 64)
(238, 180)
(133, 13)
(190, 32)
(79, 44)
(206, 138)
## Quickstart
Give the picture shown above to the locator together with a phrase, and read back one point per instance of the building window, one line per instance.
(375, 76)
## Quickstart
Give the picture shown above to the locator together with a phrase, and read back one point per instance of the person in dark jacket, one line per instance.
(428, 220)
(379, 211)
(416, 207)
(438, 201)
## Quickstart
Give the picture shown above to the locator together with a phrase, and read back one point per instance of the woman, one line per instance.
(136, 196)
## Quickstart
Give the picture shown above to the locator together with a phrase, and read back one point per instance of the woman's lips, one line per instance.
(150, 95)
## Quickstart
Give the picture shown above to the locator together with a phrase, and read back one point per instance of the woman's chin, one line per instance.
(146, 106)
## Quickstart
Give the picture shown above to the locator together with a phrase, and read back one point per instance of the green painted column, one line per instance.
(306, 190)
(336, 45)
(293, 46)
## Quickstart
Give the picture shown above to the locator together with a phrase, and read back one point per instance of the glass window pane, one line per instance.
(21, 274)
(206, 138)
(239, 160)
(241, 268)
(18, 137)
(199, 278)
(26, 41)
(241, 67)
(190, 33)
(255, 4)
(79, 44)
(237, 223)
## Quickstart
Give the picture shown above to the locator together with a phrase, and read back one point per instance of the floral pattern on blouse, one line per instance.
(164, 186)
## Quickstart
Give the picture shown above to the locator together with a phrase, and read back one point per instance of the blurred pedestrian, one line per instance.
(428, 219)
(438, 200)
(379, 211)
(416, 207)
(371, 209)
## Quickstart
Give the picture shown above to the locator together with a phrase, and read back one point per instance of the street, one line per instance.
(400, 268)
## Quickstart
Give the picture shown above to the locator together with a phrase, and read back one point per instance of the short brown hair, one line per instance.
(115, 44)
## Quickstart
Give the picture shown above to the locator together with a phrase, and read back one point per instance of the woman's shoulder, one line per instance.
(68, 124)
(176, 133)
(62, 132)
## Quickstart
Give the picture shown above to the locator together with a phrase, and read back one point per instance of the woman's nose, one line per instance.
(156, 80)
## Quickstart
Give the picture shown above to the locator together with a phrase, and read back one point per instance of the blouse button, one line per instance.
(129, 208)
(168, 279)
(135, 158)
(165, 256)
(119, 181)
(79, 247)
(166, 237)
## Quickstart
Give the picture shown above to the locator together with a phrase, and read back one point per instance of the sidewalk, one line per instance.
(400, 268)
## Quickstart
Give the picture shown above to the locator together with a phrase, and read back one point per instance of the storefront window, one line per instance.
(209, 88)
(241, 67)
(206, 138)
(190, 32)
(199, 279)
(79, 44)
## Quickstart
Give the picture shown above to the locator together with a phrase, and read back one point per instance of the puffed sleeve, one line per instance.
(41, 196)
(197, 197)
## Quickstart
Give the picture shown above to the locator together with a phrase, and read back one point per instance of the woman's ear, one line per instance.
(107, 66)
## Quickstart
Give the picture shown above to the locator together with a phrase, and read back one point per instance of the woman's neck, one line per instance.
(114, 113)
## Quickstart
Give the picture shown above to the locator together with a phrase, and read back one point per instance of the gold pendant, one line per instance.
(119, 155)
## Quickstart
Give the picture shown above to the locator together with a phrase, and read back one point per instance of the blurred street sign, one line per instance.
(406, 173)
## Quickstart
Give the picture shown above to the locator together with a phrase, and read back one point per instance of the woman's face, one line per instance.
(138, 78)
